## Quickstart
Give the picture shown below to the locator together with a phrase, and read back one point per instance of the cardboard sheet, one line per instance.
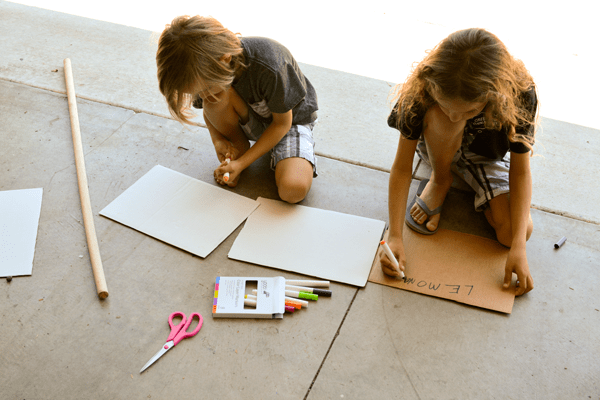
(310, 241)
(182, 211)
(455, 266)
(19, 219)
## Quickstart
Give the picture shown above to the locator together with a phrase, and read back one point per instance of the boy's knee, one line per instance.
(293, 191)
(294, 178)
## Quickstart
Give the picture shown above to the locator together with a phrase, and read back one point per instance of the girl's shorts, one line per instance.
(298, 142)
(487, 177)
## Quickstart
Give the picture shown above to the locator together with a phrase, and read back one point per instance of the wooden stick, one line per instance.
(86, 207)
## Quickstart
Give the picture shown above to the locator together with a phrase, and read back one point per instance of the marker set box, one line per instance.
(230, 298)
(238, 297)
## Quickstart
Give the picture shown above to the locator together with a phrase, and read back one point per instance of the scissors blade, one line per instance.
(162, 351)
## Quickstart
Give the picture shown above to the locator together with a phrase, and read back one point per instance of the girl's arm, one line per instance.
(399, 186)
(519, 177)
(270, 137)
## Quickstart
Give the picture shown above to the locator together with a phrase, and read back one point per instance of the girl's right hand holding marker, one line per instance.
(397, 248)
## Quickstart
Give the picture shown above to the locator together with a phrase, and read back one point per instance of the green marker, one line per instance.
(301, 295)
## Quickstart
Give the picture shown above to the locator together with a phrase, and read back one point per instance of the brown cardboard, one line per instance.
(455, 266)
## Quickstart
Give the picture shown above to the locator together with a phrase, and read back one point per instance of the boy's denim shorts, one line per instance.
(298, 142)
(487, 177)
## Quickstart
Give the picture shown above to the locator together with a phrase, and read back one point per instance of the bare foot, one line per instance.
(433, 195)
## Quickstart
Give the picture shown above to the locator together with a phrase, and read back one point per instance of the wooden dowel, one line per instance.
(86, 207)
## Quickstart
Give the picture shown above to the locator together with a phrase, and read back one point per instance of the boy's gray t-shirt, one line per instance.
(273, 82)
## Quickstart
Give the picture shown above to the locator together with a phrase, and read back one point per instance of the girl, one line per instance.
(249, 89)
(463, 108)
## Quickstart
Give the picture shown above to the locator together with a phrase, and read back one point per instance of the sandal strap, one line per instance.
(424, 207)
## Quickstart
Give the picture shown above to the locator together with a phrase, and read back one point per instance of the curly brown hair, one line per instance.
(191, 51)
(472, 65)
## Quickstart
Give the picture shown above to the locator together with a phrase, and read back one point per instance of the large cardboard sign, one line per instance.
(455, 266)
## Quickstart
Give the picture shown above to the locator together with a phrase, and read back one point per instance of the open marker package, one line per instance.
(230, 291)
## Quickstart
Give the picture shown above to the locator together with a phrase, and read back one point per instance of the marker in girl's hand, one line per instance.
(388, 252)
(226, 175)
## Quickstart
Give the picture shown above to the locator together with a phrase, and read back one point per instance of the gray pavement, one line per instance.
(60, 342)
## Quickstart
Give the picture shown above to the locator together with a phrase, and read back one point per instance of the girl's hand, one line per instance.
(517, 263)
(397, 248)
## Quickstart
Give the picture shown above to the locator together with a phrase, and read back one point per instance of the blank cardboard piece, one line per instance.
(455, 266)
(19, 218)
(179, 210)
(310, 241)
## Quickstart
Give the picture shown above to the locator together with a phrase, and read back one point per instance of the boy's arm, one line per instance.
(399, 186)
(520, 201)
(270, 137)
(223, 146)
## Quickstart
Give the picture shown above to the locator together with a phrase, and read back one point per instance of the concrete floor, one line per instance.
(60, 342)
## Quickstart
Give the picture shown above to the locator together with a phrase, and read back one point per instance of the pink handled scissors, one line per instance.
(178, 333)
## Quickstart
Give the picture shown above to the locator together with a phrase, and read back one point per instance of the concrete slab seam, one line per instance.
(331, 345)
(341, 159)
(564, 214)
(160, 115)
(79, 96)
(352, 162)
(115, 131)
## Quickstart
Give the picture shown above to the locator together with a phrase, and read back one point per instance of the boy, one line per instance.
(249, 89)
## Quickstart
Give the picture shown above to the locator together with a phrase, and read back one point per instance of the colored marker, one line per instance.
(315, 284)
(303, 303)
(226, 175)
(294, 304)
(388, 252)
(301, 295)
(290, 303)
(252, 303)
(559, 244)
(319, 292)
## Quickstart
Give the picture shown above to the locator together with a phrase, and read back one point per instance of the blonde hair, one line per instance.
(472, 65)
(191, 51)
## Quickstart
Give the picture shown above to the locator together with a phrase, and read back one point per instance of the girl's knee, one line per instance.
(504, 233)
(503, 228)
(436, 123)
(529, 228)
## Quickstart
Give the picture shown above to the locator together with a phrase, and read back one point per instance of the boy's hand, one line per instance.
(517, 263)
(397, 248)
(225, 149)
(232, 168)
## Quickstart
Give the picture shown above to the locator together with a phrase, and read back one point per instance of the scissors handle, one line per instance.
(179, 331)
